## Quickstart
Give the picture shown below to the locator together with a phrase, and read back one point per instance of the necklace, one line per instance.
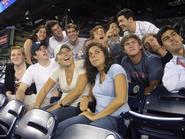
(69, 77)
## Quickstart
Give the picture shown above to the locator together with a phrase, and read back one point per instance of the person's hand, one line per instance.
(54, 107)
(10, 95)
(84, 103)
(89, 114)
(149, 90)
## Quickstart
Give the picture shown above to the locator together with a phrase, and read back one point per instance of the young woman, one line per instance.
(39, 35)
(109, 90)
(14, 72)
(71, 77)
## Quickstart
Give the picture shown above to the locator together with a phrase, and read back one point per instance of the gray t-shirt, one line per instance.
(150, 68)
(78, 49)
(104, 93)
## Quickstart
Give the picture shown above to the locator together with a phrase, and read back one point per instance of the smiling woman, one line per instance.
(71, 77)
(15, 71)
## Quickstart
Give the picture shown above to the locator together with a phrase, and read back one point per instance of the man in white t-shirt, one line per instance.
(76, 43)
(128, 24)
(58, 37)
(37, 73)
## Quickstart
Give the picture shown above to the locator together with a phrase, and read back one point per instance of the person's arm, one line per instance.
(20, 93)
(86, 99)
(155, 72)
(27, 48)
(43, 92)
(73, 95)
(120, 85)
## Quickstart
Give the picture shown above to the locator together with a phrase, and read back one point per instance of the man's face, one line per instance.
(151, 44)
(72, 34)
(123, 23)
(99, 35)
(172, 41)
(132, 47)
(57, 31)
(41, 53)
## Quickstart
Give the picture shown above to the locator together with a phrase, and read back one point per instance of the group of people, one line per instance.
(65, 73)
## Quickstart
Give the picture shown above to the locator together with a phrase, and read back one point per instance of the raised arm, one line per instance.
(27, 48)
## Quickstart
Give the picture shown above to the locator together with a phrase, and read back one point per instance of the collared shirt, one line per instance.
(174, 74)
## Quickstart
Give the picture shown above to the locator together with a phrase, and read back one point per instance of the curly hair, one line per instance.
(92, 71)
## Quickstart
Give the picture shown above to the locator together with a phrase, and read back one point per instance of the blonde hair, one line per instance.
(17, 47)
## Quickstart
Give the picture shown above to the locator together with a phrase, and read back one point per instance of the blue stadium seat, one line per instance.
(156, 127)
(136, 97)
(162, 102)
(163, 116)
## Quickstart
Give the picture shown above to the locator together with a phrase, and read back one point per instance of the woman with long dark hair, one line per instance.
(39, 35)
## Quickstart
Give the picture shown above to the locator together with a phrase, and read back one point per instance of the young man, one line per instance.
(127, 22)
(174, 72)
(152, 45)
(98, 35)
(141, 67)
(58, 36)
(75, 42)
(37, 73)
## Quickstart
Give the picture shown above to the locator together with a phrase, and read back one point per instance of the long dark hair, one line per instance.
(90, 69)
(34, 36)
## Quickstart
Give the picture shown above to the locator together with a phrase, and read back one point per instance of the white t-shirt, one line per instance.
(143, 28)
(38, 74)
(54, 44)
(59, 76)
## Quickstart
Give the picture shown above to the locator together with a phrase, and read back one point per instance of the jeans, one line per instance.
(64, 112)
(107, 122)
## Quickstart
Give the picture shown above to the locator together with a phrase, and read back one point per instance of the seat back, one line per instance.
(156, 127)
(8, 116)
(3, 100)
(162, 117)
(37, 124)
(136, 97)
(161, 102)
(82, 131)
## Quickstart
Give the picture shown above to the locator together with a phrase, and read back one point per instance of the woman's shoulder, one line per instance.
(116, 66)
(116, 69)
